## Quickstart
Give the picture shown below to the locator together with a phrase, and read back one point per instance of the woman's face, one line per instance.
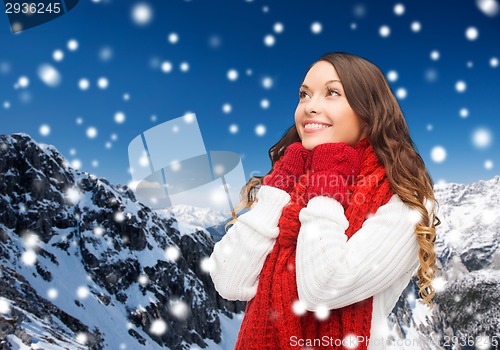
(322, 101)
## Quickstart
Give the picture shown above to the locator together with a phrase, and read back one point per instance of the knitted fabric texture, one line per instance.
(333, 167)
(289, 167)
(269, 321)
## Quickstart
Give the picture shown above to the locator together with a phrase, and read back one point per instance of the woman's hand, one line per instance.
(289, 167)
(333, 167)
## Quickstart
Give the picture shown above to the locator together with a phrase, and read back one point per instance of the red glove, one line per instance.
(289, 167)
(333, 167)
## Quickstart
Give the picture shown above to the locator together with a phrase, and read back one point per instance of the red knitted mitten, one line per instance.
(289, 167)
(333, 167)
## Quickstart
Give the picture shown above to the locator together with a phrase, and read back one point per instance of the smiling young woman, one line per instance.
(340, 224)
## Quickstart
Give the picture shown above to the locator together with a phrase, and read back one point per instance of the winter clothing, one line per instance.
(305, 274)
(290, 167)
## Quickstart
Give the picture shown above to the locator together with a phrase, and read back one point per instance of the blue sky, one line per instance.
(444, 56)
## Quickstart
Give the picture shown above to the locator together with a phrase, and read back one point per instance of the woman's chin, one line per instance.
(310, 144)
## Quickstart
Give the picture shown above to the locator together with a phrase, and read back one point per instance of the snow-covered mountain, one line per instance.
(467, 310)
(84, 265)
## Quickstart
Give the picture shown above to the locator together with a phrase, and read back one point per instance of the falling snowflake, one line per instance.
(79, 121)
(267, 82)
(29, 258)
(457, 298)
(52, 293)
(264, 103)
(83, 84)
(460, 86)
(180, 310)
(439, 284)
(143, 280)
(175, 165)
(6, 105)
(401, 93)
(232, 74)
(488, 7)
(73, 195)
(173, 38)
(82, 292)
(392, 75)
(226, 108)
(494, 62)
(103, 83)
(166, 66)
(206, 264)
(31, 240)
(184, 66)
(76, 164)
(44, 130)
(434, 55)
(350, 341)
(483, 342)
(233, 129)
(353, 26)
(119, 216)
(471, 33)
(470, 64)
(359, 11)
(105, 54)
(384, 31)
(481, 138)
(158, 327)
(316, 27)
(416, 26)
(49, 75)
(4, 306)
(278, 27)
(269, 40)
(299, 308)
(431, 75)
(72, 45)
(322, 312)
(126, 97)
(438, 154)
(464, 112)
(91, 132)
(119, 117)
(399, 9)
(82, 338)
(260, 130)
(172, 253)
(429, 127)
(98, 230)
(214, 41)
(23, 82)
(488, 164)
(142, 14)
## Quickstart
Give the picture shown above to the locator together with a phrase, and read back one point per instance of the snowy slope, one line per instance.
(84, 265)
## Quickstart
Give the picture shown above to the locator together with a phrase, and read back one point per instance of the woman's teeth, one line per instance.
(316, 126)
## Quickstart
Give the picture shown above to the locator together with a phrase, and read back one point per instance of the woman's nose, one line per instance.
(313, 106)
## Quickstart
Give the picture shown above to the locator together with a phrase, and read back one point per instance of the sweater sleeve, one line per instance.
(238, 258)
(334, 272)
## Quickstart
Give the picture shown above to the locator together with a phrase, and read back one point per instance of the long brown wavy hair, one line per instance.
(372, 99)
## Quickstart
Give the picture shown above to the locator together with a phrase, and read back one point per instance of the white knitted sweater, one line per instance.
(378, 260)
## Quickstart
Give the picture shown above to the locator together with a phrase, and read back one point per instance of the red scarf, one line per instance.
(269, 321)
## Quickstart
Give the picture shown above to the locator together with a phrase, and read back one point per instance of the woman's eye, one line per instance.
(331, 92)
(302, 94)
